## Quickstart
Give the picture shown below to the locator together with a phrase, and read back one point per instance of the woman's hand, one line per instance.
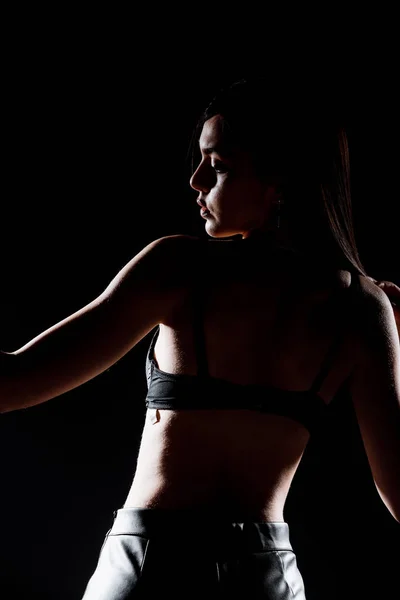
(393, 292)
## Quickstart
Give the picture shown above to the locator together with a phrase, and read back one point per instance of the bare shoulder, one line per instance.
(177, 250)
(151, 281)
(183, 241)
(176, 242)
(170, 263)
(167, 250)
(171, 242)
(374, 320)
(178, 238)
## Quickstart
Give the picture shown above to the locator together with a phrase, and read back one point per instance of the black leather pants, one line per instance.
(155, 553)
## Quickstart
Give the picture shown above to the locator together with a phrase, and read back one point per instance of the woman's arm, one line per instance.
(375, 391)
(92, 339)
(393, 293)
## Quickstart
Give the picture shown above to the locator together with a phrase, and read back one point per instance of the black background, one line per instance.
(96, 128)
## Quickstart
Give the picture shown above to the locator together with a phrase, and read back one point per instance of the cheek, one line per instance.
(256, 195)
(247, 197)
(242, 197)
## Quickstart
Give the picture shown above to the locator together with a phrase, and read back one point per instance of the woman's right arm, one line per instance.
(375, 392)
(393, 292)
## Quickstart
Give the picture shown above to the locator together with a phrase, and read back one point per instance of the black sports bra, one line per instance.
(201, 391)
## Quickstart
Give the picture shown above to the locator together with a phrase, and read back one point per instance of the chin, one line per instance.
(214, 230)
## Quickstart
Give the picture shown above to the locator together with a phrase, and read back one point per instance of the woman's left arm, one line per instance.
(393, 292)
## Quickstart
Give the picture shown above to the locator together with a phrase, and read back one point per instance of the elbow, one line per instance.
(391, 502)
(6, 407)
(7, 369)
(4, 396)
(6, 403)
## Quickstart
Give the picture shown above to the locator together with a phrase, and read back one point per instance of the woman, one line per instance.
(258, 326)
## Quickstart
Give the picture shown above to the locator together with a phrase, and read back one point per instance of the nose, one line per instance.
(200, 180)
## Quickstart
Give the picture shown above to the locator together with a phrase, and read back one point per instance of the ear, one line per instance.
(273, 193)
(274, 188)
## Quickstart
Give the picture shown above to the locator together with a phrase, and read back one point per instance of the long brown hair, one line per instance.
(300, 142)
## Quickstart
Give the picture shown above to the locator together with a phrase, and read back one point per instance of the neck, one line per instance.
(274, 237)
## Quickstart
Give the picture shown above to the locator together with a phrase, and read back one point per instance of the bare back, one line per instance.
(266, 322)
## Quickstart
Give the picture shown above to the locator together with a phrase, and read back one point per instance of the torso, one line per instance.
(241, 462)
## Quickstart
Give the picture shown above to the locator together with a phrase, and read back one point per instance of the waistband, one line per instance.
(201, 526)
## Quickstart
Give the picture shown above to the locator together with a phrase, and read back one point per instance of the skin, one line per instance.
(393, 293)
(238, 201)
(249, 460)
(241, 445)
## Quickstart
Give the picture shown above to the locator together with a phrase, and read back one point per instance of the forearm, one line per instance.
(57, 360)
(13, 394)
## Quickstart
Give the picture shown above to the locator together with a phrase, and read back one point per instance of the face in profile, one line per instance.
(238, 201)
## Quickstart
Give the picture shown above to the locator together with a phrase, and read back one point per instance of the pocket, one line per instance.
(292, 574)
(119, 568)
(105, 539)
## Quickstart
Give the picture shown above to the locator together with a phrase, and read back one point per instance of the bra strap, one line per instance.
(330, 355)
(327, 362)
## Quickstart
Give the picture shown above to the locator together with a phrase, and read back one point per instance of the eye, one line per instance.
(219, 167)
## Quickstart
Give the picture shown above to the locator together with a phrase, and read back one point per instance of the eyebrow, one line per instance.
(221, 149)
